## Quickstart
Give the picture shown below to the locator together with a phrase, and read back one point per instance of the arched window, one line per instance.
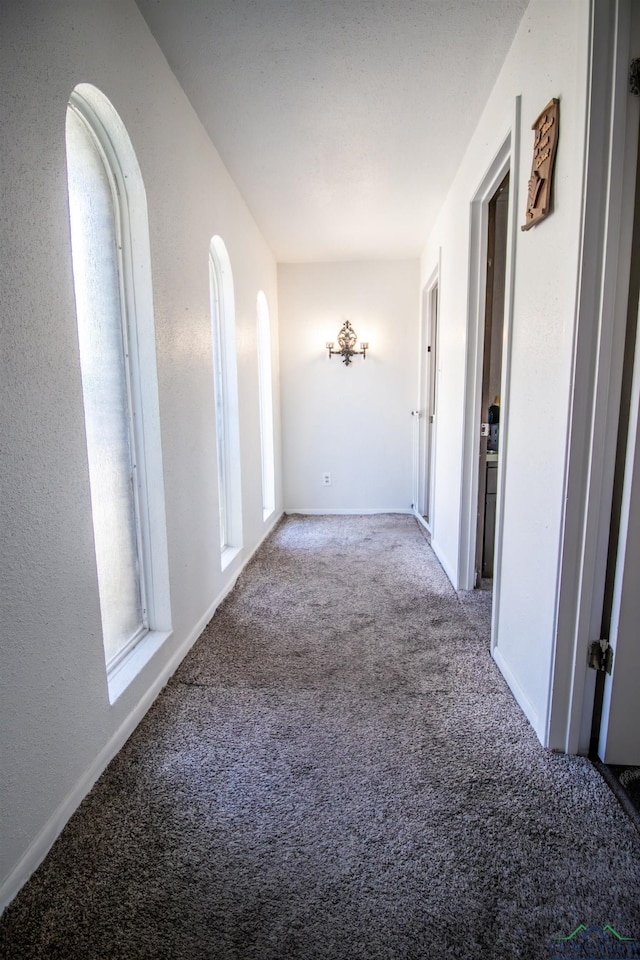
(112, 281)
(266, 408)
(225, 376)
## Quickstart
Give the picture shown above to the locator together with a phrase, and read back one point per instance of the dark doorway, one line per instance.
(491, 376)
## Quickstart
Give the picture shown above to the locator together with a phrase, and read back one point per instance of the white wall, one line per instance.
(354, 422)
(58, 728)
(549, 58)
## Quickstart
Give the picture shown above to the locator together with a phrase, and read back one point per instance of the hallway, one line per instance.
(337, 770)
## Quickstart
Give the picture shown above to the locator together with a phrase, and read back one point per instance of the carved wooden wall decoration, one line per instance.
(546, 129)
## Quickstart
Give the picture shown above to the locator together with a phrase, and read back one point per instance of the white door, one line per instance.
(431, 362)
(619, 741)
(425, 418)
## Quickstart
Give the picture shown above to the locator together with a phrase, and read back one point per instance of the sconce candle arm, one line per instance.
(347, 340)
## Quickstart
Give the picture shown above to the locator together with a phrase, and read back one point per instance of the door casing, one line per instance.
(506, 159)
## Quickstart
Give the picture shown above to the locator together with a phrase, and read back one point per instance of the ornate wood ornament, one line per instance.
(545, 142)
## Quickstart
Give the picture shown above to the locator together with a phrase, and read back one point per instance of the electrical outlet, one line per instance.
(326, 479)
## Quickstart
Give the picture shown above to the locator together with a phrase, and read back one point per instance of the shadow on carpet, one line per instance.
(337, 770)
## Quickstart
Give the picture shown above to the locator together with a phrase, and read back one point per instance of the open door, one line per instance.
(619, 734)
(616, 723)
(425, 417)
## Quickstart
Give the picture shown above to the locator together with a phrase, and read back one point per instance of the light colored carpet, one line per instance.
(337, 770)
(477, 608)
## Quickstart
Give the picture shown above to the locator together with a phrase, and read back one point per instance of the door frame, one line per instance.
(429, 316)
(505, 160)
(598, 354)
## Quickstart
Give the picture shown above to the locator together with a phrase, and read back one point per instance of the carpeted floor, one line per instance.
(336, 771)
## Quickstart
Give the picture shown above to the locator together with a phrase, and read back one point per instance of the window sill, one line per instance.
(128, 669)
(228, 555)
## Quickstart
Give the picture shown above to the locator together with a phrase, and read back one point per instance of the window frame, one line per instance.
(99, 136)
(225, 376)
(129, 206)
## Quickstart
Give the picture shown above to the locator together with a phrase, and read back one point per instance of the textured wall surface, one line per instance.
(548, 59)
(353, 422)
(55, 713)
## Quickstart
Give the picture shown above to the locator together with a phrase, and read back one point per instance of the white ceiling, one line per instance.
(341, 121)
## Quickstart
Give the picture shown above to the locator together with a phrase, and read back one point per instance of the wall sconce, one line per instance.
(347, 340)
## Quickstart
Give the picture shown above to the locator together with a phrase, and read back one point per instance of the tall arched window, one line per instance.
(112, 281)
(225, 376)
(266, 408)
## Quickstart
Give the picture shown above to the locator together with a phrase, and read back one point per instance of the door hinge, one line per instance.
(634, 78)
(601, 656)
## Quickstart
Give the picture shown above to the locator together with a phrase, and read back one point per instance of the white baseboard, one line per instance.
(444, 563)
(421, 520)
(346, 511)
(521, 698)
(40, 846)
(273, 523)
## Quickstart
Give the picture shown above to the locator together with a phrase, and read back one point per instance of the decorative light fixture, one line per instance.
(347, 340)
